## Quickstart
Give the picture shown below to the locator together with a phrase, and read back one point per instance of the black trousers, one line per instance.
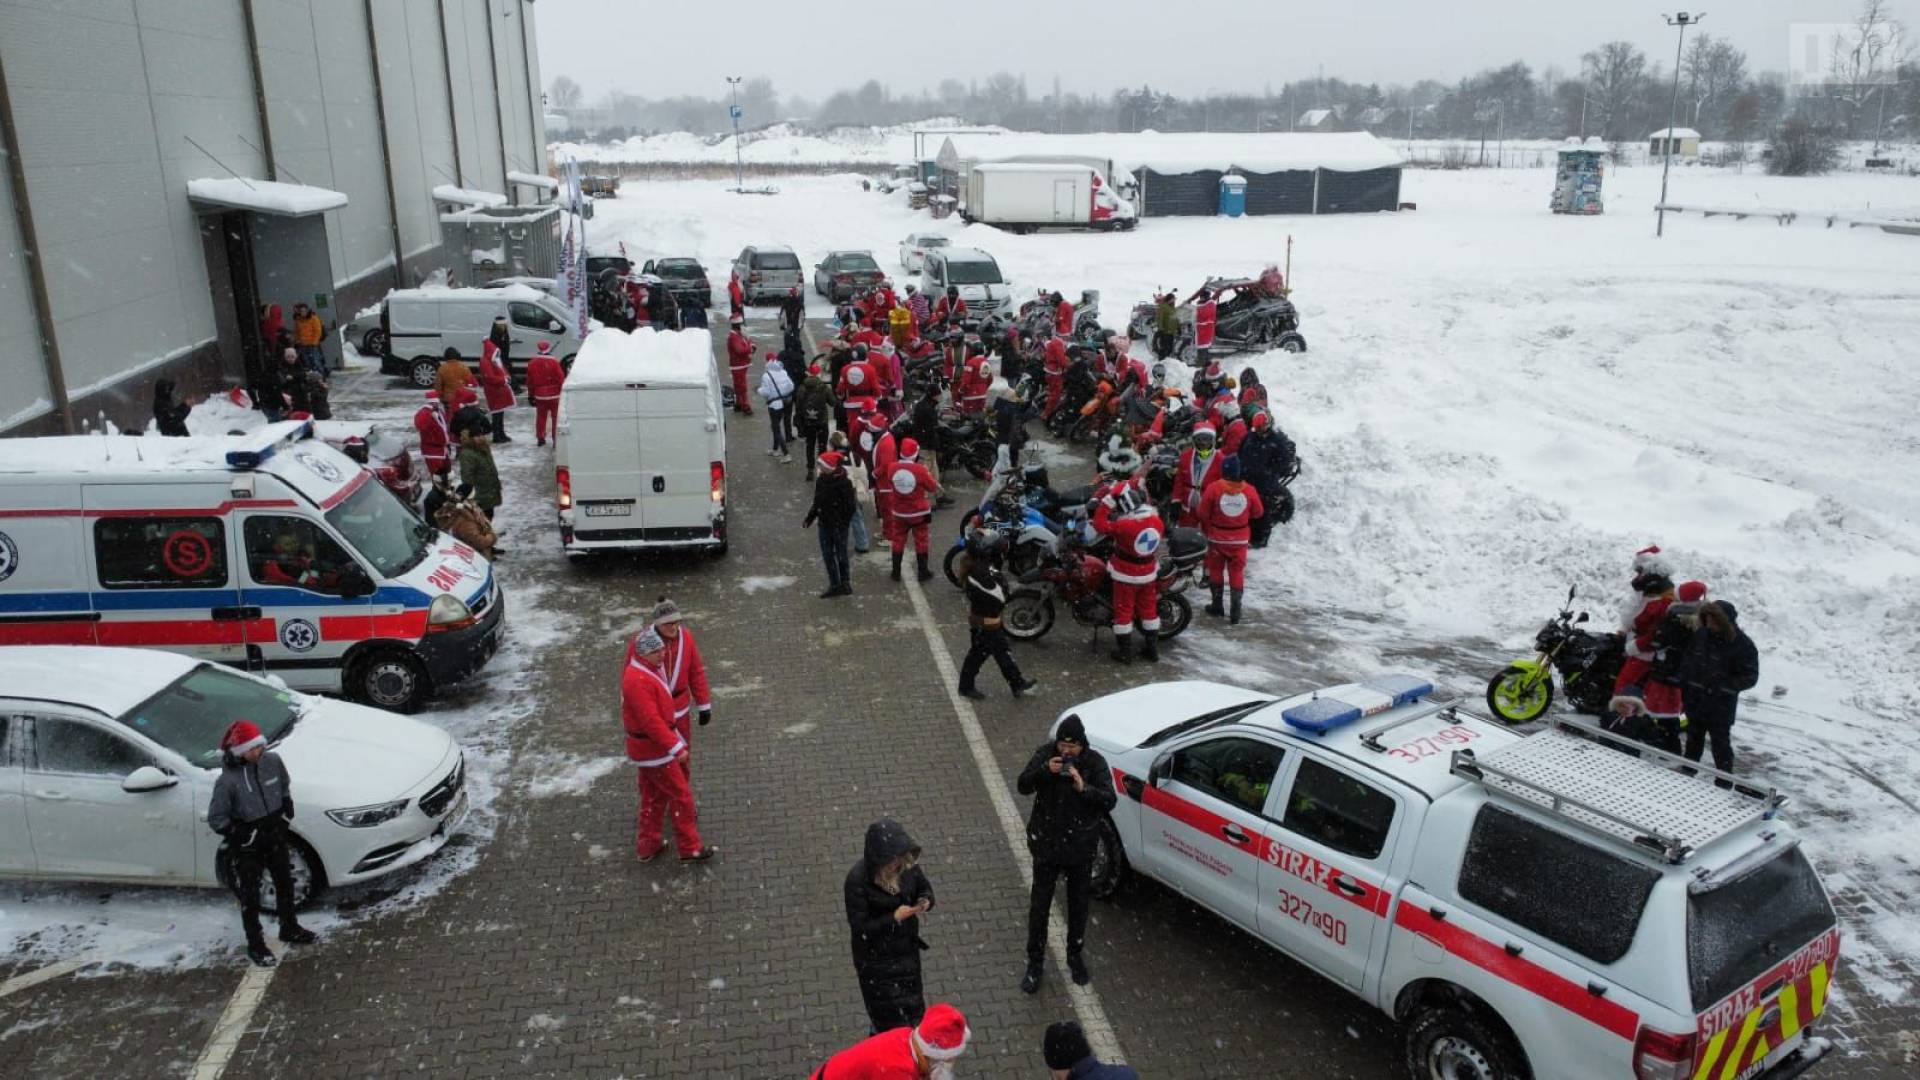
(268, 856)
(894, 998)
(1040, 906)
(987, 643)
(1710, 722)
(499, 420)
(816, 445)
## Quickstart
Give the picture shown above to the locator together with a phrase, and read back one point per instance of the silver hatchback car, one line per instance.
(768, 273)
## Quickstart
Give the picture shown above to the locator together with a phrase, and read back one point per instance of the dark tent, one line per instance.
(1171, 194)
(1358, 192)
(1289, 192)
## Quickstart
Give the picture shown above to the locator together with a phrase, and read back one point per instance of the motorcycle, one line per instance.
(1077, 388)
(1587, 664)
(967, 442)
(1032, 536)
(1077, 578)
(1095, 414)
(1036, 316)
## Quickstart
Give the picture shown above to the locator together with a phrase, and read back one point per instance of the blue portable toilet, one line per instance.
(1233, 195)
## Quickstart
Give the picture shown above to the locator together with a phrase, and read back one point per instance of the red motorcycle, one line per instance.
(1078, 579)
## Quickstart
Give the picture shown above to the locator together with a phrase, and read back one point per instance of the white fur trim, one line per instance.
(241, 749)
(935, 1053)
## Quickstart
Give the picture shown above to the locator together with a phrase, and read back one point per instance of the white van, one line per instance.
(640, 454)
(976, 275)
(421, 324)
(269, 551)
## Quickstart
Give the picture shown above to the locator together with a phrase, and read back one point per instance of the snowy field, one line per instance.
(1499, 402)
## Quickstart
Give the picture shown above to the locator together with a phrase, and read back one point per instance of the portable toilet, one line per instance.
(1233, 195)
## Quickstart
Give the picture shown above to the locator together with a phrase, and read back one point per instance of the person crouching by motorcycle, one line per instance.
(1647, 707)
(1266, 458)
(1199, 466)
(1227, 511)
(986, 596)
(910, 491)
(1133, 568)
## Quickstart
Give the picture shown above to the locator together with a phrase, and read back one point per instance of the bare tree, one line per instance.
(1615, 74)
(1864, 58)
(563, 94)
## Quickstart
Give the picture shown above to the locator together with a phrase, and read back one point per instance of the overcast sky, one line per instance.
(657, 49)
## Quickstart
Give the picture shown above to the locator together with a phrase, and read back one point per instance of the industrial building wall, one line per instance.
(536, 97)
(509, 17)
(467, 22)
(106, 96)
(1289, 192)
(23, 377)
(408, 118)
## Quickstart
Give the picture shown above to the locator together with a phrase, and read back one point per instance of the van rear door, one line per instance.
(604, 458)
(677, 455)
(163, 573)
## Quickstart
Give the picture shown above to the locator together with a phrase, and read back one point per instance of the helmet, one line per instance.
(912, 288)
(902, 425)
(859, 353)
(1158, 371)
(1128, 499)
(1205, 432)
(986, 543)
(953, 292)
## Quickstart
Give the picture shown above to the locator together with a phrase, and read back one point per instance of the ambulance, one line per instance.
(270, 551)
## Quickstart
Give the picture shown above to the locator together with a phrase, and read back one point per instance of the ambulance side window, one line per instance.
(292, 552)
(160, 552)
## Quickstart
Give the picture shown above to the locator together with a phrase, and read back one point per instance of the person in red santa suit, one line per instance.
(911, 505)
(686, 672)
(1062, 316)
(637, 296)
(1206, 312)
(882, 451)
(1199, 466)
(1054, 363)
(498, 384)
(976, 382)
(1227, 510)
(660, 754)
(545, 378)
(736, 296)
(739, 359)
(1233, 432)
(436, 440)
(1133, 567)
(928, 1051)
(1640, 616)
(859, 385)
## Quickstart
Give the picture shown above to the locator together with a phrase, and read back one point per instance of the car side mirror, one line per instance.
(355, 584)
(553, 327)
(1162, 768)
(148, 778)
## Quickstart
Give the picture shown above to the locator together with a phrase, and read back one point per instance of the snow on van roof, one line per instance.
(491, 296)
(66, 455)
(109, 680)
(611, 357)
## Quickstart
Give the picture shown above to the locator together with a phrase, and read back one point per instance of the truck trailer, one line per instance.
(1023, 196)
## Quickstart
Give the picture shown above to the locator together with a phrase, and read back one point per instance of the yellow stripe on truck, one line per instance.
(1819, 989)
(1789, 1012)
(1739, 1054)
(1711, 1055)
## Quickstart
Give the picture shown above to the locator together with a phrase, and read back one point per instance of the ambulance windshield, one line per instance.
(382, 529)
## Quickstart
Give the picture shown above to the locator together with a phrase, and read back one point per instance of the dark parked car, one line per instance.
(843, 273)
(685, 278)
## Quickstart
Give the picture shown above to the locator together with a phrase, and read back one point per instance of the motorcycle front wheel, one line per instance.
(1516, 697)
(1027, 616)
(1175, 613)
(952, 565)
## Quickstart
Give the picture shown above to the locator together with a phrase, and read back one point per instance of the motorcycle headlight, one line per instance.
(448, 609)
(365, 817)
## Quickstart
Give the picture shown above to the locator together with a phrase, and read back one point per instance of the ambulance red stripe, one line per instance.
(182, 631)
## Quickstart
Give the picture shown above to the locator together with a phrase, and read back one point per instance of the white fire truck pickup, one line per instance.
(1559, 905)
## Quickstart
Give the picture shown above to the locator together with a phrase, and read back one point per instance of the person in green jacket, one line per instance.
(477, 470)
(1166, 326)
(813, 415)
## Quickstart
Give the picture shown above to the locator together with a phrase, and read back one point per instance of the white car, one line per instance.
(1542, 906)
(108, 759)
(913, 250)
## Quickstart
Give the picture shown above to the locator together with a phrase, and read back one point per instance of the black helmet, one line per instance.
(902, 426)
(953, 292)
(1034, 474)
(859, 353)
(986, 543)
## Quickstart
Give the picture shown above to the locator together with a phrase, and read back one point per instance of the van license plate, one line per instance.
(610, 509)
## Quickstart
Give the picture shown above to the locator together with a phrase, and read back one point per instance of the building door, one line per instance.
(227, 239)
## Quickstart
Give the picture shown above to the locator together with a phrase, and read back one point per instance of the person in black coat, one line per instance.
(986, 597)
(834, 507)
(886, 893)
(169, 411)
(1266, 457)
(1720, 662)
(1072, 791)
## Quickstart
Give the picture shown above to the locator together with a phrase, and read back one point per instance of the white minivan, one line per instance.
(640, 453)
(419, 325)
(973, 272)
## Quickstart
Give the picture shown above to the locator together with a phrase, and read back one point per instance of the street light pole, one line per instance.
(733, 110)
(1681, 20)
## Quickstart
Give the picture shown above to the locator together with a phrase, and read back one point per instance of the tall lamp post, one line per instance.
(1681, 20)
(733, 110)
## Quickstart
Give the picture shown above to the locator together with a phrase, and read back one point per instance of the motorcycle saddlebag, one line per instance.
(1186, 545)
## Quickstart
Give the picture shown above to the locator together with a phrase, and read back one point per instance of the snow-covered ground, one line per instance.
(1499, 402)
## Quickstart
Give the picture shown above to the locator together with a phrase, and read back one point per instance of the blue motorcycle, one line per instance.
(1031, 535)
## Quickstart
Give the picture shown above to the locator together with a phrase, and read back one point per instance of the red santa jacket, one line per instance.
(950, 311)
(1227, 510)
(976, 381)
(646, 712)
(886, 1056)
(431, 423)
(859, 383)
(911, 497)
(1054, 357)
(1193, 475)
(884, 300)
(739, 351)
(866, 440)
(886, 454)
(494, 378)
(735, 294)
(545, 377)
(1232, 436)
(887, 370)
(637, 296)
(1136, 543)
(1063, 319)
(1640, 623)
(869, 337)
(1203, 317)
(687, 676)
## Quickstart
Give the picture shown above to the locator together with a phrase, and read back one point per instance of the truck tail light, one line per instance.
(1660, 1056)
(718, 473)
(564, 481)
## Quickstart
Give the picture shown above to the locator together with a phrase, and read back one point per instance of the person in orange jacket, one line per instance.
(1227, 511)
(545, 378)
(655, 746)
(739, 359)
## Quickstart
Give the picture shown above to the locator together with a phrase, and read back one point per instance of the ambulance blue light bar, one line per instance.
(266, 441)
(1377, 695)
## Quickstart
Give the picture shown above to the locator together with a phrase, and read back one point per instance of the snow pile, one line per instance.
(613, 358)
(468, 196)
(266, 196)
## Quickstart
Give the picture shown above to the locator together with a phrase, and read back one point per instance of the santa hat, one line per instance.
(1649, 560)
(813, 369)
(433, 395)
(1692, 592)
(942, 1034)
(241, 737)
(909, 450)
(1204, 429)
(874, 421)
(773, 354)
(545, 348)
(830, 461)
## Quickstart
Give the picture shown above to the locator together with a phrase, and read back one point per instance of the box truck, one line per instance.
(1024, 196)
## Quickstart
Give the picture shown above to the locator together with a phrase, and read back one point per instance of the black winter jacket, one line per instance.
(1065, 824)
(986, 591)
(882, 944)
(1266, 458)
(1715, 671)
(833, 500)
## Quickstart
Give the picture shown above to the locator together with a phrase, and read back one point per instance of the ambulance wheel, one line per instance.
(422, 370)
(1109, 870)
(308, 879)
(1448, 1042)
(389, 679)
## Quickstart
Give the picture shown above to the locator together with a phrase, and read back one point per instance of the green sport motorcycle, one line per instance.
(1587, 664)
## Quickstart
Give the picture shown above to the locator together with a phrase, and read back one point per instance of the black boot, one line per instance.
(1024, 687)
(1030, 982)
(897, 556)
(1150, 646)
(924, 573)
(261, 956)
(1077, 967)
(1213, 608)
(292, 933)
(1233, 615)
(968, 690)
(1123, 648)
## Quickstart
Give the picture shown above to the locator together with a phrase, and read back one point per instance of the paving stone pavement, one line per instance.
(561, 955)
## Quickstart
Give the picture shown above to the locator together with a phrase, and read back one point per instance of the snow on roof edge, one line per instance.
(468, 196)
(611, 357)
(265, 196)
(546, 183)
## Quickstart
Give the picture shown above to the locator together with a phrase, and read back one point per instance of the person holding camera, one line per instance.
(251, 805)
(1072, 791)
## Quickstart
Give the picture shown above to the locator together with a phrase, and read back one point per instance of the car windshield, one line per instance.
(382, 529)
(191, 714)
(777, 260)
(973, 272)
(1740, 930)
(858, 262)
(1217, 716)
(677, 268)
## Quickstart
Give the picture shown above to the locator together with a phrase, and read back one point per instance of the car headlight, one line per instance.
(365, 817)
(448, 610)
